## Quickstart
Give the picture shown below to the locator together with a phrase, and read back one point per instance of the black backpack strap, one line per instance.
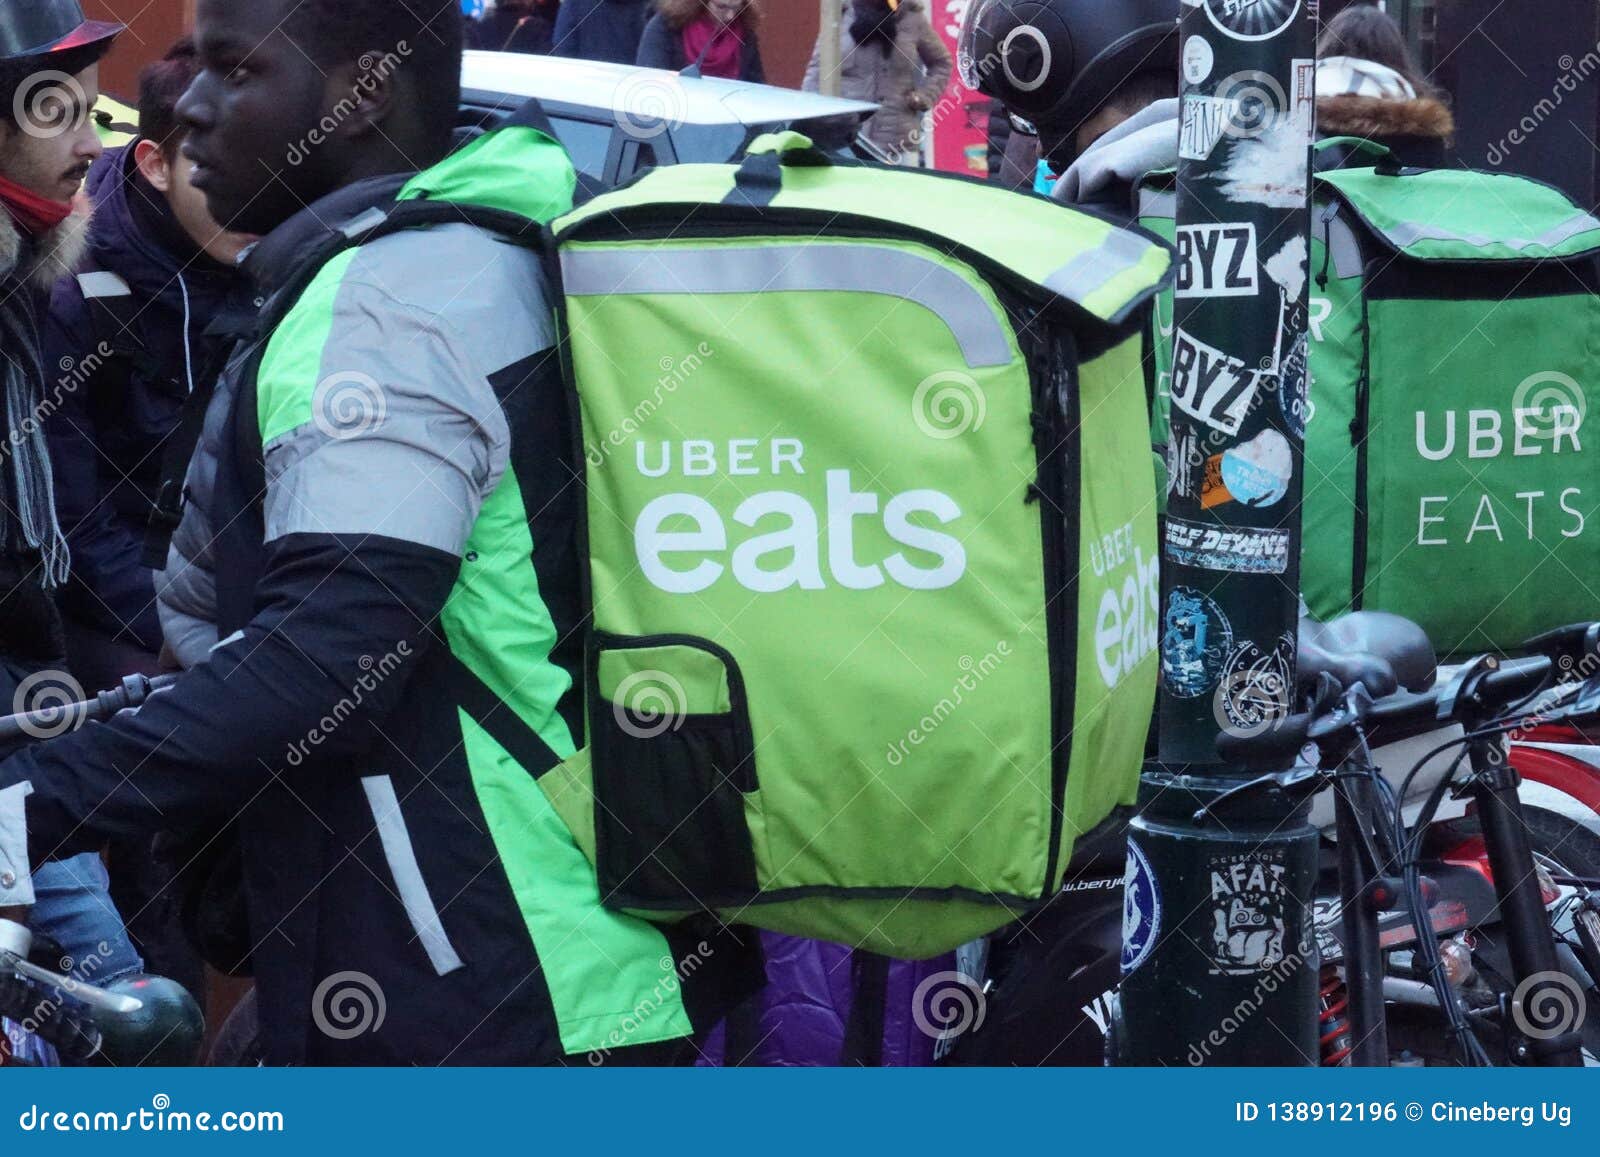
(863, 1034)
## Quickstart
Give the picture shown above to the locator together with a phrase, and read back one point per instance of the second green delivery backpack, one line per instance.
(874, 594)
(1452, 460)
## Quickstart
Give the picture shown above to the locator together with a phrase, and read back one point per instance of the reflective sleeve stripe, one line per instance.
(402, 857)
(1407, 233)
(102, 284)
(16, 882)
(1091, 272)
(854, 268)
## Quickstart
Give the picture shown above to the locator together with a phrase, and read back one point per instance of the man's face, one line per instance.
(50, 145)
(171, 174)
(250, 116)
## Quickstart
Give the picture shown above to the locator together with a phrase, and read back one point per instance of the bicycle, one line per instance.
(139, 1020)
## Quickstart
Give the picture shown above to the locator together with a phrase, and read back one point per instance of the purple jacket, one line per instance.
(827, 1005)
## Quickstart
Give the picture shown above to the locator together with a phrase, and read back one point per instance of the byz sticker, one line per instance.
(1205, 121)
(1141, 910)
(1249, 905)
(1252, 19)
(1221, 548)
(1211, 386)
(1196, 641)
(1217, 261)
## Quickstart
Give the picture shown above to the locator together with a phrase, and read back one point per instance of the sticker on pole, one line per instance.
(1141, 910)
(1234, 550)
(1211, 386)
(1252, 19)
(1202, 123)
(1249, 912)
(1217, 261)
(1196, 641)
(1199, 58)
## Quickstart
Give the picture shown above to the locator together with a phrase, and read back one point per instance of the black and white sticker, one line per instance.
(1205, 120)
(1252, 19)
(1236, 550)
(1199, 58)
(1211, 386)
(1217, 261)
(1249, 912)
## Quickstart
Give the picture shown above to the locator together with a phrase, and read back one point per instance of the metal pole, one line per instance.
(1220, 964)
(828, 49)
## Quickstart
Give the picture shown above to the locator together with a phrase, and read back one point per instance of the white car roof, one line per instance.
(641, 92)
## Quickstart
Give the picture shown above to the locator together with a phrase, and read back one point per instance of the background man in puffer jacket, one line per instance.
(135, 316)
(386, 480)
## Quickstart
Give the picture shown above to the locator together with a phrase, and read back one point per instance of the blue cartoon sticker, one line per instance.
(1141, 910)
(1196, 641)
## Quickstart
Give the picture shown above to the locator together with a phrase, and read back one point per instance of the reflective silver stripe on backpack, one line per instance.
(1091, 271)
(1408, 232)
(812, 267)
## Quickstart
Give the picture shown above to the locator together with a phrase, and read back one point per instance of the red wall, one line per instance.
(152, 27)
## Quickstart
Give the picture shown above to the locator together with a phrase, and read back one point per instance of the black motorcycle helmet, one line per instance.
(1055, 62)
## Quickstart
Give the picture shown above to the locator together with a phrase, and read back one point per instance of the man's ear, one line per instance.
(152, 164)
(360, 95)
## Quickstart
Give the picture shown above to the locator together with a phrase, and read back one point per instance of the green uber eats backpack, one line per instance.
(873, 588)
(1451, 460)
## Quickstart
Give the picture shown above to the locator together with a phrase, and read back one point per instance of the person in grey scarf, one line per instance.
(48, 81)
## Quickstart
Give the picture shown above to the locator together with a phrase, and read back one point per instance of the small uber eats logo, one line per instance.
(778, 536)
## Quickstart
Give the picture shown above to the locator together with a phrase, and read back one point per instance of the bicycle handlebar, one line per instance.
(134, 692)
(1404, 715)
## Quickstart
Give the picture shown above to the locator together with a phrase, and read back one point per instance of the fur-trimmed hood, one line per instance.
(43, 262)
(1380, 117)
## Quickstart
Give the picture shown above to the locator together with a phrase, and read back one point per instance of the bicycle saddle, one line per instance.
(1383, 652)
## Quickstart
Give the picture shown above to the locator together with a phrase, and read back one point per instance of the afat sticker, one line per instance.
(1252, 19)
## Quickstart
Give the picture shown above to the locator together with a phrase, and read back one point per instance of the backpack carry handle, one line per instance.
(760, 178)
(1384, 160)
